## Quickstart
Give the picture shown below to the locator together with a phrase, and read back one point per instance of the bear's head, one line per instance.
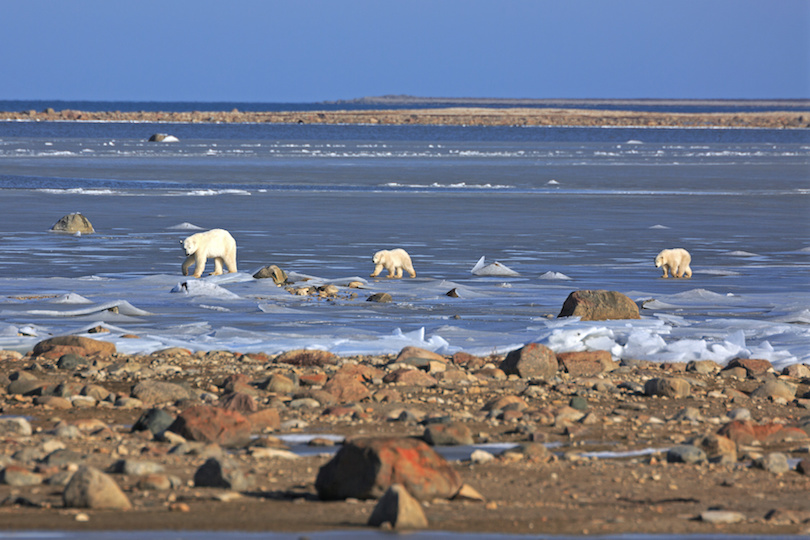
(189, 245)
(659, 260)
(378, 257)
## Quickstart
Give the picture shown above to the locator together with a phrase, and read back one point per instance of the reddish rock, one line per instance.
(753, 366)
(410, 377)
(213, 424)
(348, 383)
(366, 468)
(466, 359)
(306, 357)
(450, 434)
(312, 379)
(265, 419)
(599, 305)
(746, 432)
(239, 402)
(586, 363)
(231, 382)
(60, 345)
(506, 403)
(531, 361)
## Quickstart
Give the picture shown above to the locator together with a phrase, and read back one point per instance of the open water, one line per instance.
(564, 208)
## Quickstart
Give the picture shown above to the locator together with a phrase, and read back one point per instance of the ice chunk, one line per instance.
(203, 288)
(121, 307)
(186, 226)
(71, 298)
(555, 275)
(493, 269)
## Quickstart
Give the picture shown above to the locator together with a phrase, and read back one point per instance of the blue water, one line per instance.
(565, 208)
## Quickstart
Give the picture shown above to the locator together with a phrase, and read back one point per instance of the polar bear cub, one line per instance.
(217, 244)
(394, 261)
(675, 260)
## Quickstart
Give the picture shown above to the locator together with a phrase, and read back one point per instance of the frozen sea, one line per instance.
(563, 208)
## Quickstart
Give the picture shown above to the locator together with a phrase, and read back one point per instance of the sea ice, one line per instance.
(493, 269)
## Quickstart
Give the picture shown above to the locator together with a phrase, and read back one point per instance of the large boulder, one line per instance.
(73, 223)
(599, 305)
(91, 488)
(366, 468)
(213, 424)
(531, 361)
(58, 346)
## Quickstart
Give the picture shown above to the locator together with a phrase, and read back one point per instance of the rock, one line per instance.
(774, 463)
(685, 454)
(137, 468)
(774, 389)
(273, 272)
(73, 223)
(671, 387)
(236, 401)
(798, 371)
(279, 384)
(418, 357)
(15, 427)
(56, 347)
(481, 456)
(347, 386)
(14, 475)
(586, 363)
(212, 424)
(265, 419)
(506, 403)
(599, 305)
(307, 357)
(220, 473)
(71, 361)
(803, 467)
(382, 298)
(154, 420)
(703, 366)
(752, 366)
(153, 392)
(91, 488)
(448, 434)
(54, 402)
(718, 449)
(531, 361)
(722, 516)
(410, 377)
(398, 508)
(746, 432)
(366, 468)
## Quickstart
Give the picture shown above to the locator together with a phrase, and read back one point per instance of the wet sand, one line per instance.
(469, 116)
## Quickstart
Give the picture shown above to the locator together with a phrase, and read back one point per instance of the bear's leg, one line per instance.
(664, 267)
(230, 262)
(399, 272)
(377, 269)
(199, 261)
(187, 263)
(687, 273)
(217, 266)
(411, 271)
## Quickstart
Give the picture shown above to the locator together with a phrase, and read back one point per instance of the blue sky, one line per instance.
(302, 51)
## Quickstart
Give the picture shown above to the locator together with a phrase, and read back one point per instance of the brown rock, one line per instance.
(212, 424)
(417, 356)
(752, 366)
(599, 305)
(73, 223)
(746, 432)
(718, 449)
(671, 387)
(586, 363)
(91, 488)
(503, 403)
(239, 402)
(83, 346)
(366, 468)
(775, 389)
(410, 377)
(265, 419)
(451, 434)
(307, 357)
(531, 361)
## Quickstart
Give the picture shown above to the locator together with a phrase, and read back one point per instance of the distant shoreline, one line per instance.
(461, 116)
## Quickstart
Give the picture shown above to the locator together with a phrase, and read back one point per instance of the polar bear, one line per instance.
(394, 261)
(676, 260)
(216, 243)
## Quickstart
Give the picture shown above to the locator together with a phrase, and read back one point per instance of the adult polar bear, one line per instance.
(217, 244)
(394, 261)
(675, 260)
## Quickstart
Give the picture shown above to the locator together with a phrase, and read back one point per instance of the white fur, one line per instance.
(394, 261)
(675, 260)
(217, 244)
